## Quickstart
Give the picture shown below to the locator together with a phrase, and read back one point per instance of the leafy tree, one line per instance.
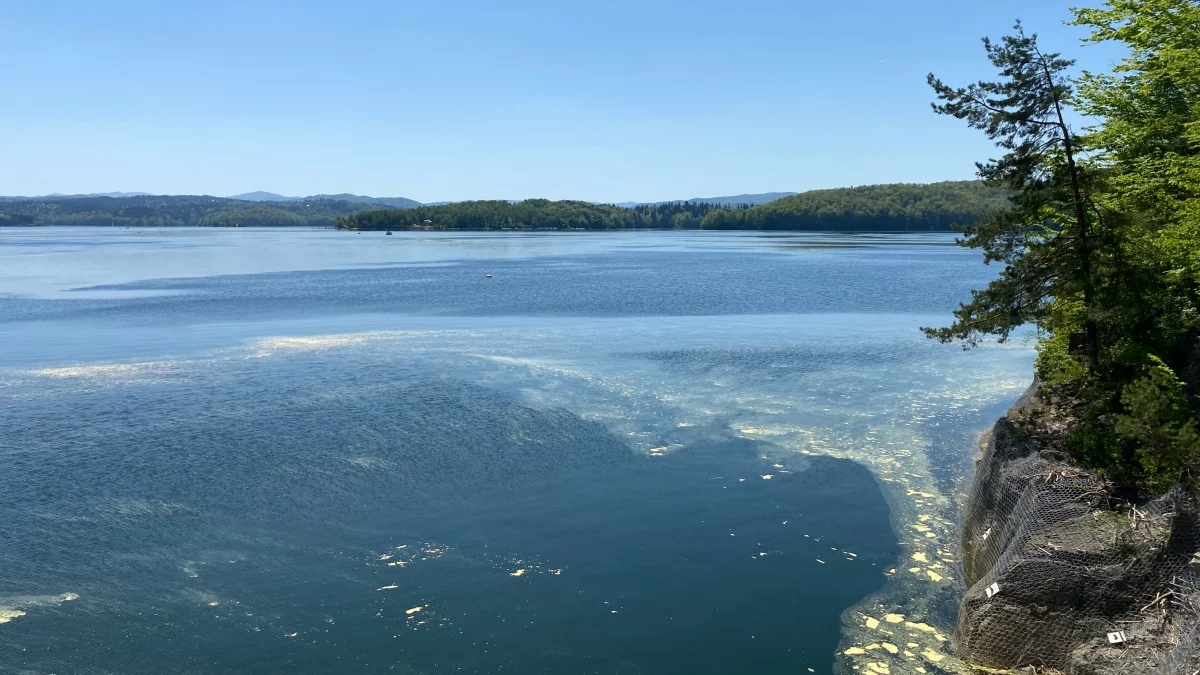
(1149, 107)
(1147, 143)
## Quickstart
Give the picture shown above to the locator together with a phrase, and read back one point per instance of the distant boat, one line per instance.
(488, 276)
(388, 233)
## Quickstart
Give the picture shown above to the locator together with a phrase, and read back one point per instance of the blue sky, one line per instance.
(606, 101)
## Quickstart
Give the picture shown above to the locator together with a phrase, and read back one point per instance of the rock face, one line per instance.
(1053, 567)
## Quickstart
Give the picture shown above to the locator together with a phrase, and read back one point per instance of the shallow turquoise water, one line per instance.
(218, 447)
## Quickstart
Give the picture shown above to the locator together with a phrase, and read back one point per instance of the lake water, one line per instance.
(229, 451)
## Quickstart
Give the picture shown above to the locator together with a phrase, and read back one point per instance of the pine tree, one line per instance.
(1046, 240)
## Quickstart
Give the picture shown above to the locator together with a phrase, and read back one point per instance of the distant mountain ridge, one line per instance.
(893, 207)
(751, 199)
(56, 195)
(406, 203)
(395, 202)
(260, 196)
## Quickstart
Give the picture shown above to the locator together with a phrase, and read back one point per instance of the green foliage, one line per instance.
(7, 218)
(1148, 141)
(1056, 364)
(1145, 435)
(936, 206)
(174, 211)
(1101, 249)
(1150, 104)
(1158, 421)
(933, 207)
(535, 214)
(1098, 447)
(896, 208)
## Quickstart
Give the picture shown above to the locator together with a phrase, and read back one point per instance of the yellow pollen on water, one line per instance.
(932, 655)
(924, 627)
(7, 615)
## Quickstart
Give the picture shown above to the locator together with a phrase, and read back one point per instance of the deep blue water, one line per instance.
(262, 451)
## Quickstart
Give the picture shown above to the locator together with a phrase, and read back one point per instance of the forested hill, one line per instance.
(900, 207)
(533, 214)
(173, 211)
(893, 207)
(880, 208)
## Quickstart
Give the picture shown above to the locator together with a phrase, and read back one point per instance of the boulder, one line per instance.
(1066, 564)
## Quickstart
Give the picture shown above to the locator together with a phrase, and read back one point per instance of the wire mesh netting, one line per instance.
(1064, 577)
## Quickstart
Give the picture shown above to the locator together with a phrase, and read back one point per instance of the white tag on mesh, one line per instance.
(1116, 638)
(986, 533)
(992, 590)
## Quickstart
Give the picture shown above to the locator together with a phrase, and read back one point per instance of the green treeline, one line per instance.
(1101, 248)
(897, 207)
(534, 214)
(175, 211)
(934, 207)
(7, 218)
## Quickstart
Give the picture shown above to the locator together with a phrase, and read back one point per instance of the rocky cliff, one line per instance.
(1063, 575)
